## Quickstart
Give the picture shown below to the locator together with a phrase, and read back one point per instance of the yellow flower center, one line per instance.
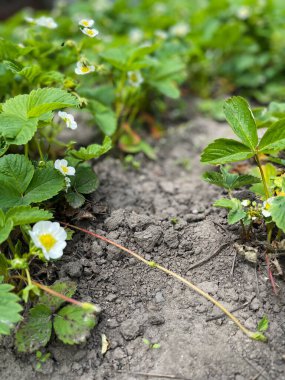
(134, 77)
(90, 32)
(47, 240)
(85, 69)
(267, 206)
(85, 23)
(64, 169)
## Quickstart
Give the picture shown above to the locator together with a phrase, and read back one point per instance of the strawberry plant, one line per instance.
(31, 184)
(268, 202)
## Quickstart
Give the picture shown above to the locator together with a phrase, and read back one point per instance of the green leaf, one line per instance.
(277, 210)
(39, 102)
(21, 184)
(127, 144)
(229, 180)
(20, 116)
(235, 215)
(236, 212)
(244, 180)
(269, 172)
(4, 146)
(75, 200)
(116, 57)
(72, 324)
(2, 218)
(5, 231)
(35, 331)
(9, 308)
(166, 87)
(274, 138)
(16, 129)
(241, 120)
(49, 99)
(21, 215)
(258, 336)
(224, 202)
(28, 290)
(263, 324)
(223, 151)
(85, 180)
(45, 184)
(67, 288)
(4, 265)
(17, 171)
(93, 151)
(104, 117)
(8, 50)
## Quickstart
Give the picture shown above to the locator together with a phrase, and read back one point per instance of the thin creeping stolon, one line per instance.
(253, 335)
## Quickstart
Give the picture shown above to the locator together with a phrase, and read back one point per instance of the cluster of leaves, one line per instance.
(71, 324)
(250, 59)
(111, 98)
(30, 187)
(267, 182)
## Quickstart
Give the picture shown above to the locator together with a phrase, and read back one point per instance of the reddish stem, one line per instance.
(56, 294)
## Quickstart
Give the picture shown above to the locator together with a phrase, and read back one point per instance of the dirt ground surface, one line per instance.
(164, 212)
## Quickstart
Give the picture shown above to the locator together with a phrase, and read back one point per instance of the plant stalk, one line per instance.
(262, 176)
(84, 305)
(152, 264)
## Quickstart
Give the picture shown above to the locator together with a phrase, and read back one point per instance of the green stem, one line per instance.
(28, 276)
(279, 234)
(39, 148)
(27, 150)
(262, 176)
(270, 227)
(11, 245)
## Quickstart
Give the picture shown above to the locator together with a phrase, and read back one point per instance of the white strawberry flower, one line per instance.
(30, 20)
(161, 34)
(243, 12)
(62, 166)
(136, 35)
(266, 207)
(82, 69)
(69, 119)
(90, 32)
(47, 22)
(86, 23)
(180, 30)
(50, 237)
(135, 78)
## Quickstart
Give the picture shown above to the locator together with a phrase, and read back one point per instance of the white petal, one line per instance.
(41, 227)
(57, 164)
(57, 251)
(90, 32)
(62, 114)
(86, 23)
(63, 162)
(73, 125)
(266, 213)
(71, 170)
